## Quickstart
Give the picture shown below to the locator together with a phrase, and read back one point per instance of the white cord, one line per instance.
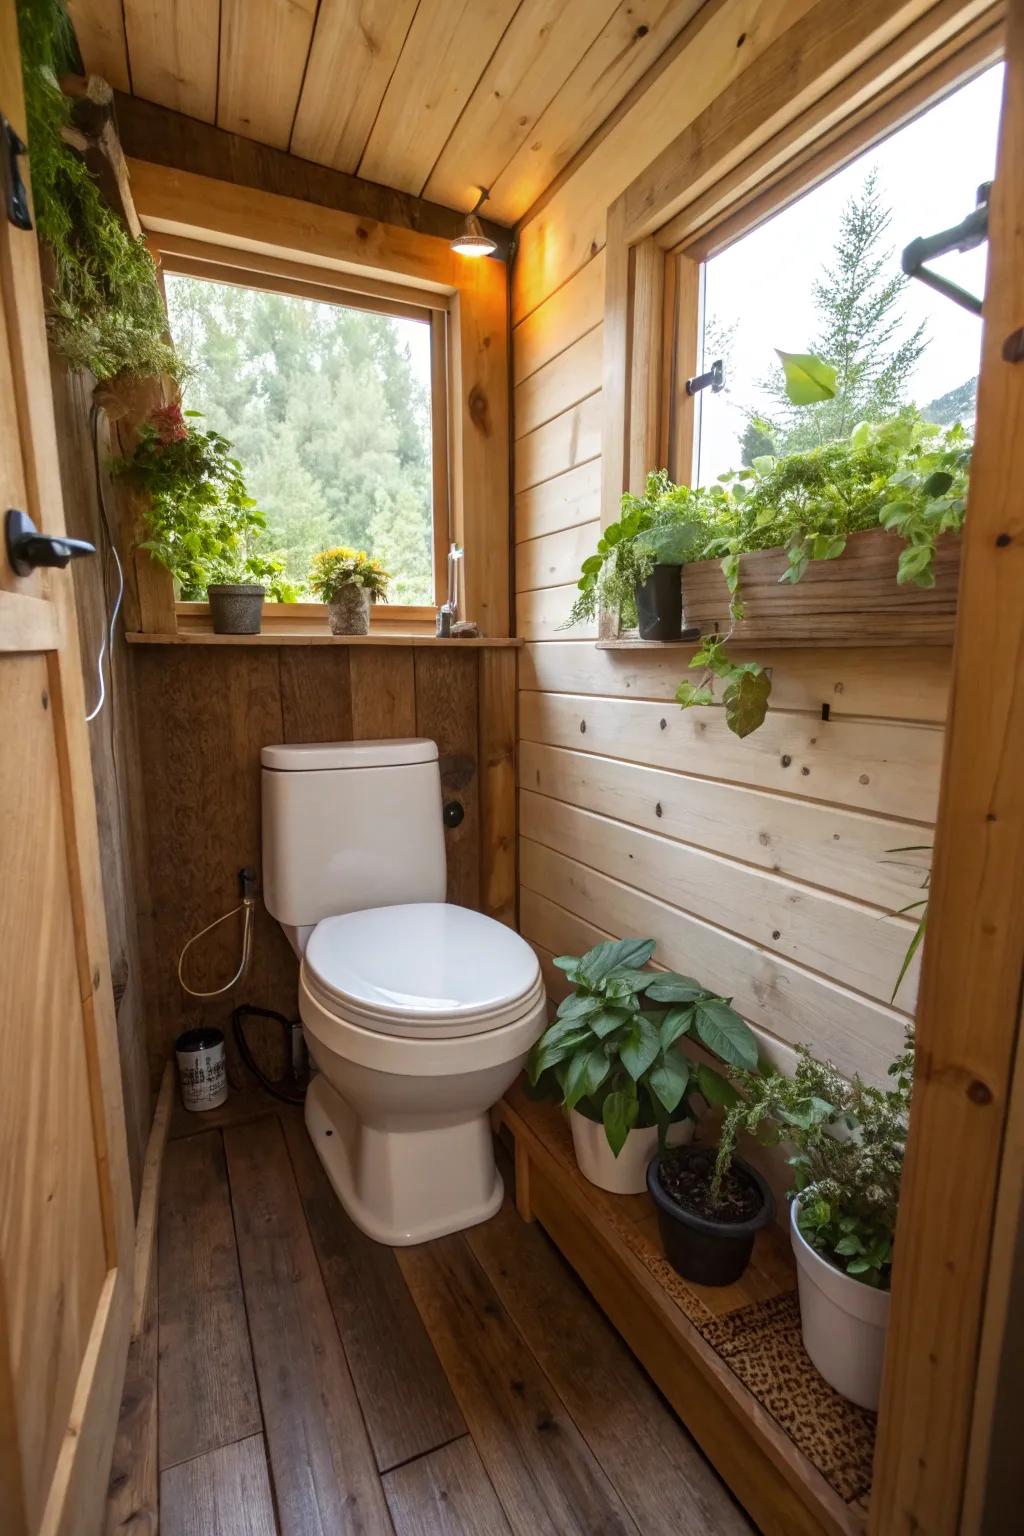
(107, 641)
(247, 905)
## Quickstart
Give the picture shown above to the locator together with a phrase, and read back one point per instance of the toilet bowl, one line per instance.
(417, 1013)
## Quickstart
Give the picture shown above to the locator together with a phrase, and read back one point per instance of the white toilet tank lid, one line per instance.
(350, 754)
(445, 969)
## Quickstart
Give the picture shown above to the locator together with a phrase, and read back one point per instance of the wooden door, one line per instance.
(65, 1204)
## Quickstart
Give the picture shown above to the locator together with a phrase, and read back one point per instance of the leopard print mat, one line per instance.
(760, 1343)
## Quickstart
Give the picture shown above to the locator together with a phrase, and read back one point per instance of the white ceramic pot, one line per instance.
(627, 1173)
(843, 1321)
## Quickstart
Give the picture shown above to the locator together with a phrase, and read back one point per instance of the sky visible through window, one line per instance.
(328, 409)
(759, 294)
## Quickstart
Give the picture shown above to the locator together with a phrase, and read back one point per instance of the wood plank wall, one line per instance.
(761, 866)
(204, 715)
(113, 748)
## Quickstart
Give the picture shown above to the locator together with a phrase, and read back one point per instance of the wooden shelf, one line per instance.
(307, 637)
(728, 1359)
(689, 637)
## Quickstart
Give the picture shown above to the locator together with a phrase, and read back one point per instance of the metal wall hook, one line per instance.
(713, 379)
(965, 236)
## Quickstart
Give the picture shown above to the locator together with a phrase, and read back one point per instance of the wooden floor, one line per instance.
(313, 1383)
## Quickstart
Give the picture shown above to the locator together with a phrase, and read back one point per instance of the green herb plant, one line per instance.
(204, 526)
(105, 312)
(613, 1053)
(668, 525)
(847, 1140)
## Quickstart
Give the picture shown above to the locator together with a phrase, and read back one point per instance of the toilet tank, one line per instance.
(349, 825)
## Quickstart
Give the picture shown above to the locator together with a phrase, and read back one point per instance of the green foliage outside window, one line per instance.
(330, 414)
(105, 313)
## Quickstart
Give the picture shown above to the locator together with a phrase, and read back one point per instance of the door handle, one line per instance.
(27, 548)
(17, 194)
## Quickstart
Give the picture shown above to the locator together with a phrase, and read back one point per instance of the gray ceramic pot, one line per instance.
(348, 612)
(236, 610)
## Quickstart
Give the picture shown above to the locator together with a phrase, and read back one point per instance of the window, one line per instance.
(823, 276)
(332, 411)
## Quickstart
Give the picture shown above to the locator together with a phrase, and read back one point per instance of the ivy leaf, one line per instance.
(640, 1048)
(746, 702)
(827, 546)
(619, 1114)
(916, 566)
(895, 514)
(937, 484)
(688, 694)
(669, 1081)
(724, 1033)
(808, 378)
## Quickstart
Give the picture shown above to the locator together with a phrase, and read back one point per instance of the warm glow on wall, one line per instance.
(472, 241)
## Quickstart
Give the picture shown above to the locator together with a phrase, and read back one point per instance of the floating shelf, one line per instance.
(689, 637)
(306, 637)
(729, 1359)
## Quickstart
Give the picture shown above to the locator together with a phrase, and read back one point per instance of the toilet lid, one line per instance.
(428, 968)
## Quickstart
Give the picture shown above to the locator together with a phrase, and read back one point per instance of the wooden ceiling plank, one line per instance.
(263, 52)
(172, 52)
(630, 43)
(354, 52)
(448, 47)
(531, 64)
(99, 28)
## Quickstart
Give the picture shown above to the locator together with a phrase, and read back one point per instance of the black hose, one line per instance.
(288, 1095)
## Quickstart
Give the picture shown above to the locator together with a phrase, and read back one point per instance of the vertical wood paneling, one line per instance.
(446, 712)
(173, 54)
(497, 755)
(383, 693)
(316, 693)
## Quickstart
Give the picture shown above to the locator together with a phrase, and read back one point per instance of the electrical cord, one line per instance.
(294, 1095)
(106, 651)
(247, 906)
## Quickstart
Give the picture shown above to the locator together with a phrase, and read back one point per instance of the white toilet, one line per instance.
(418, 1014)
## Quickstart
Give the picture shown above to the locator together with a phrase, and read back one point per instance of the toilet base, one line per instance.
(407, 1185)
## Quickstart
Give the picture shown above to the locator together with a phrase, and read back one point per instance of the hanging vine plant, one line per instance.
(105, 312)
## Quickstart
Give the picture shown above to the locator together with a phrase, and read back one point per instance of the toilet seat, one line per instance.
(421, 971)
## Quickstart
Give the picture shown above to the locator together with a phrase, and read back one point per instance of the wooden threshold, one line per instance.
(304, 637)
(726, 1359)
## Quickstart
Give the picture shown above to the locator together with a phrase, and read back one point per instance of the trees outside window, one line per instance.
(328, 409)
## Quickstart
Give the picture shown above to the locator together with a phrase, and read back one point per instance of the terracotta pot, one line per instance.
(348, 611)
(236, 609)
(843, 1321)
(625, 1174)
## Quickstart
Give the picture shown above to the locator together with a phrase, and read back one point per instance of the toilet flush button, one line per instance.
(453, 813)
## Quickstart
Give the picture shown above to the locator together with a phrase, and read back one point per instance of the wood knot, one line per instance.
(979, 1092)
(479, 410)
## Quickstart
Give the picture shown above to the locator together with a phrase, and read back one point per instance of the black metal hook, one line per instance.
(715, 378)
(965, 236)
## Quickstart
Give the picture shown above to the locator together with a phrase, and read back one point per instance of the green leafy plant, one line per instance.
(613, 1053)
(204, 526)
(917, 937)
(334, 569)
(105, 312)
(905, 475)
(668, 525)
(848, 1140)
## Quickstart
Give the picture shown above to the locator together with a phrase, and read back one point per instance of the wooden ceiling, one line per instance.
(433, 97)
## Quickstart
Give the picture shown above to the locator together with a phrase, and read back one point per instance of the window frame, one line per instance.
(181, 256)
(703, 193)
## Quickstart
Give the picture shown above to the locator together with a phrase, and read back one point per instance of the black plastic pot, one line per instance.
(659, 604)
(708, 1252)
(236, 609)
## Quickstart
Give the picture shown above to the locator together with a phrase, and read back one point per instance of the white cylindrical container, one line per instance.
(202, 1070)
(843, 1322)
(627, 1173)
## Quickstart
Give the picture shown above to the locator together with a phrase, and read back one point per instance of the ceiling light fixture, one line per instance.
(472, 241)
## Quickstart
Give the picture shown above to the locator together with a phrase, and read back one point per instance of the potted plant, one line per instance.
(612, 1058)
(636, 568)
(348, 580)
(847, 1140)
(204, 526)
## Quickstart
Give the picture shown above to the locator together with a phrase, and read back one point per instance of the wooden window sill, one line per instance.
(308, 637)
